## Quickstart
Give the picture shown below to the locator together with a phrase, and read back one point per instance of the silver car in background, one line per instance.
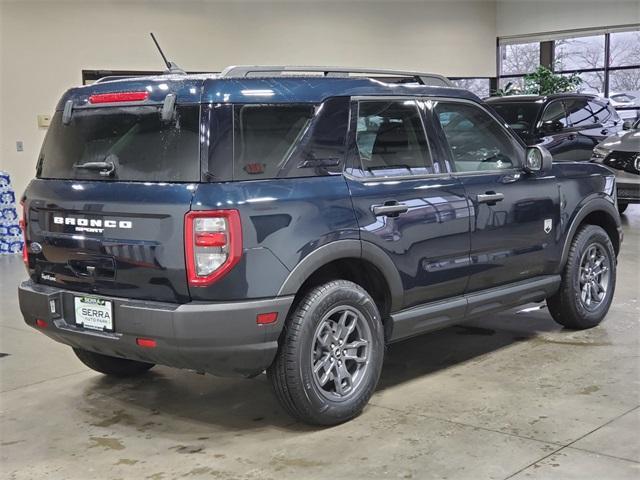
(621, 153)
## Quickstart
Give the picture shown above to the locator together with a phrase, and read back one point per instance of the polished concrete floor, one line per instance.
(512, 396)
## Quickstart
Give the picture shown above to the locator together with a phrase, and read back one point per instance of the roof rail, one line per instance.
(244, 71)
(111, 78)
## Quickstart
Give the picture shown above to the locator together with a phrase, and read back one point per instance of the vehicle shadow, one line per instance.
(168, 400)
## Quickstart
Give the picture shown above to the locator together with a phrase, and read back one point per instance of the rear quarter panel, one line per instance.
(283, 220)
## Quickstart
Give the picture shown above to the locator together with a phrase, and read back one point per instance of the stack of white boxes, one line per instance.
(10, 233)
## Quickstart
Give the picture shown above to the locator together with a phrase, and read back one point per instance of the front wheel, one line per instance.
(588, 281)
(330, 354)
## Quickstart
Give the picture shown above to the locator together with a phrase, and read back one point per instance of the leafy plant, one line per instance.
(542, 82)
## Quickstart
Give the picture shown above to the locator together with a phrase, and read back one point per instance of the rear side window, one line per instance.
(579, 112)
(603, 113)
(265, 137)
(391, 140)
(134, 140)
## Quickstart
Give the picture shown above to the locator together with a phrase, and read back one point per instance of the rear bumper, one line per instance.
(218, 338)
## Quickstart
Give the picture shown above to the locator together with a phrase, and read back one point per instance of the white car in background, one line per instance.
(627, 104)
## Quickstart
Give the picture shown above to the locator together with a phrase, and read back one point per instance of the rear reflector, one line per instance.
(41, 323)
(119, 97)
(146, 342)
(265, 318)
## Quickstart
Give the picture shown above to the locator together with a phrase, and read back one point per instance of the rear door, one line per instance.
(404, 201)
(514, 216)
(586, 127)
(105, 214)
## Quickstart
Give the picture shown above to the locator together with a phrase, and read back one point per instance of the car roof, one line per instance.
(212, 88)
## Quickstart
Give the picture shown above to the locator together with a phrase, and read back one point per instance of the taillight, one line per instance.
(118, 97)
(23, 227)
(213, 244)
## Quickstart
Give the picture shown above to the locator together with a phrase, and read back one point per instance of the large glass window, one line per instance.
(265, 136)
(607, 63)
(579, 53)
(519, 58)
(476, 140)
(123, 143)
(480, 86)
(624, 49)
(391, 140)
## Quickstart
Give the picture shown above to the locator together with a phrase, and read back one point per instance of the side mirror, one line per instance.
(627, 125)
(552, 126)
(538, 159)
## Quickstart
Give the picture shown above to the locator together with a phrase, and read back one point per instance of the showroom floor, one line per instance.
(513, 396)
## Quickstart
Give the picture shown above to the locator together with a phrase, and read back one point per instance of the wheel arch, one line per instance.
(359, 261)
(600, 212)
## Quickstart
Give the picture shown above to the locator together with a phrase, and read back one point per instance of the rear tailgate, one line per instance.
(116, 239)
(115, 179)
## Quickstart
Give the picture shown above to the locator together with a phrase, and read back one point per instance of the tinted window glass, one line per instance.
(602, 113)
(134, 139)
(476, 139)
(555, 114)
(265, 137)
(391, 139)
(519, 116)
(579, 113)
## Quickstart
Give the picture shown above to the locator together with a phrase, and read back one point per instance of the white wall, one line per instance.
(45, 45)
(520, 17)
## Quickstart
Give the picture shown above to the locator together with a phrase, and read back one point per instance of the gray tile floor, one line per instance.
(512, 396)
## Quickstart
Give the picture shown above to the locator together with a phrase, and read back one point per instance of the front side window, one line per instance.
(476, 140)
(390, 139)
(519, 116)
(554, 117)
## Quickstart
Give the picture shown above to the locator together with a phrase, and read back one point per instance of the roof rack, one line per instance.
(244, 71)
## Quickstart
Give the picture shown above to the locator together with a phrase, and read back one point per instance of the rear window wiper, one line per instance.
(106, 168)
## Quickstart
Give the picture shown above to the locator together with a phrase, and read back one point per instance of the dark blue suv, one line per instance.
(262, 219)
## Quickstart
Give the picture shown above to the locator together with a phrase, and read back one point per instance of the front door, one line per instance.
(404, 201)
(514, 216)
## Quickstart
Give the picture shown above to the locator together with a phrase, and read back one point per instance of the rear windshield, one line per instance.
(519, 116)
(133, 141)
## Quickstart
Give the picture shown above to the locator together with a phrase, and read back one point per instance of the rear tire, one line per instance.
(117, 367)
(330, 354)
(622, 206)
(588, 281)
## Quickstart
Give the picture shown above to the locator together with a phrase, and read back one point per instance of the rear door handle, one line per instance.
(389, 209)
(490, 198)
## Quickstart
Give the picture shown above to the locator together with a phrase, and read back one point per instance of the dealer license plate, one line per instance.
(94, 313)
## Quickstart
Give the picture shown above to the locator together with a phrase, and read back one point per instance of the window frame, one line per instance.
(353, 166)
(446, 148)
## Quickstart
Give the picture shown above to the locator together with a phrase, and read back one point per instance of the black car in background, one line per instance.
(569, 125)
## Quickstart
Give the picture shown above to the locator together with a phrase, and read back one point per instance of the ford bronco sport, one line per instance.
(260, 220)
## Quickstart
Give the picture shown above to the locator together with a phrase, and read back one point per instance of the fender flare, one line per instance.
(337, 250)
(593, 205)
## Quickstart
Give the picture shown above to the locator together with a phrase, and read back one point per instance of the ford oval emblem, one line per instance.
(35, 247)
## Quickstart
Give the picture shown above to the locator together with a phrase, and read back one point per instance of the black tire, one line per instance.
(118, 367)
(302, 346)
(567, 306)
(622, 206)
